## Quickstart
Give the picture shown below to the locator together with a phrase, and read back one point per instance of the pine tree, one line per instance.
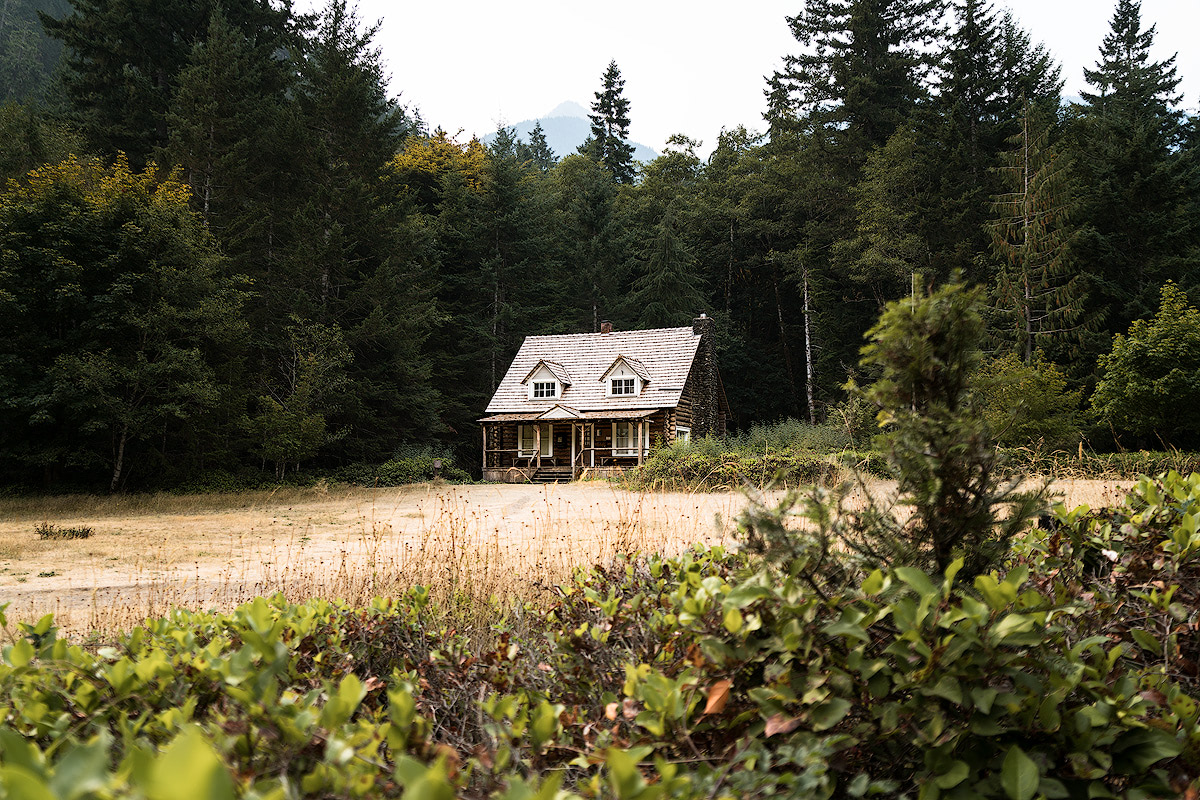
(1039, 293)
(975, 112)
(540, 152)
(609, 140)
(123, 61)
(889, 242)
(668, 292)
(1128, 138)
(867, 65)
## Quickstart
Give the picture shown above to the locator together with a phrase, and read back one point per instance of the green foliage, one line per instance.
(1150, 380)
(779, 670)
(409, 465)
(1029, 404)
(707, 468)
(118, 319)
(939, 445)
(609, 141)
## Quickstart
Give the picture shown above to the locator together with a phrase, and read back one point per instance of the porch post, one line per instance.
(483, 467)
(592, 429)
(639, 442)
(573, 431)
(537, 446)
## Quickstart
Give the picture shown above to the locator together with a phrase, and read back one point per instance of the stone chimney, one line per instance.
(605, 326)
(707, 419)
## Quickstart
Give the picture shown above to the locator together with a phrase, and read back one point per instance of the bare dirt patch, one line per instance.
(148, 554)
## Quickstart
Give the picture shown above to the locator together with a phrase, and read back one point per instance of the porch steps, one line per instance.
(552, 475)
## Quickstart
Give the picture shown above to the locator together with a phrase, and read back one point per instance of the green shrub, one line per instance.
(409, 465)
(1150, 381)
(1026, 404)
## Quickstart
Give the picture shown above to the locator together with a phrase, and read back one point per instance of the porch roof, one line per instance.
(584, 416)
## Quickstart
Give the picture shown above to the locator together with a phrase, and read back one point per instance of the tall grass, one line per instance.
(480, 561)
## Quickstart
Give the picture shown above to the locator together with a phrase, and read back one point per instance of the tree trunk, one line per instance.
(119, 461)
(809, 369)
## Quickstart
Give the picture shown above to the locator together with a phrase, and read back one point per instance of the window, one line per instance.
(527, 448)
(623, 385)
(625, 438)
(683, 434)
(545, 389)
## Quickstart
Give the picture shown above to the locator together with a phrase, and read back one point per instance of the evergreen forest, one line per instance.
(225, 244)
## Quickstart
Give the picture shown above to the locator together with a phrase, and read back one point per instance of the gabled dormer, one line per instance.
(546, 381)
(625, 377)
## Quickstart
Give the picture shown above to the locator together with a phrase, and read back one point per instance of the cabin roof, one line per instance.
(666, 354)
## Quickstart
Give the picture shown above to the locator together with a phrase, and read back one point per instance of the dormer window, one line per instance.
(548, 380)
(625, 377)
(624, 386)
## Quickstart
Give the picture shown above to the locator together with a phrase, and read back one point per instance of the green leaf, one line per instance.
(952, 572)
(829, 713)
(21, 784)
(733, 620)
(1135, 752)
(82, 771)
(20, 653)
(918, 580)
(1147, 641)
(873, 584)
(953, 776)
(189, 769)
(948, 687)
(1019, 776)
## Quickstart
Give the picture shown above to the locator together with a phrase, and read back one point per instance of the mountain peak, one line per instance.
(569, 108)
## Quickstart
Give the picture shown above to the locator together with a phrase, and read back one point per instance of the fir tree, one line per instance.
(668, 292)
(609, 140)
(540, 152)
(1128, 137)
(1039, 293)
(867, 65)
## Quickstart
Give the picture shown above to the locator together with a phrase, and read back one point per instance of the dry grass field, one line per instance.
(147, 554)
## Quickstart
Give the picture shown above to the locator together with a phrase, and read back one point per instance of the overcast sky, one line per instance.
(689, 67)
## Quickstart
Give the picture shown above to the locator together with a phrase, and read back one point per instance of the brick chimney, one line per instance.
(702, 325)
(605, 326)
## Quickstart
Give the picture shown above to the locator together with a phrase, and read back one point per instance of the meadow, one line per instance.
(482, 549)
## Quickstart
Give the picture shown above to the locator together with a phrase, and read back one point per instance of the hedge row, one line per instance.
(707, 675)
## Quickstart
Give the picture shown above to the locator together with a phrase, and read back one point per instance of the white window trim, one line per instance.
(553, 395)
(547, 441)
(683, 433)
(631, 449)
(633, 382)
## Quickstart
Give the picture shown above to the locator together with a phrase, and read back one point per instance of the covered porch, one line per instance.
(565, 444)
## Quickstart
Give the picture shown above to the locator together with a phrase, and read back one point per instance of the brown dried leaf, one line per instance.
(610, 711)
(718, 696)
(629, 708)
(779, 723)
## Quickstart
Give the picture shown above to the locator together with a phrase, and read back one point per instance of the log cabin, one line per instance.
(593, 404)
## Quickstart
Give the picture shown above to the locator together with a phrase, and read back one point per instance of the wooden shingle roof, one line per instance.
(666, 354)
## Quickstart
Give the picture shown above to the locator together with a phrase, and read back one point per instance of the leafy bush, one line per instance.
(1029, 404)
(709, 674)
(411, 465)
(706, 465)
(1150, 381)
(1070, 464)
